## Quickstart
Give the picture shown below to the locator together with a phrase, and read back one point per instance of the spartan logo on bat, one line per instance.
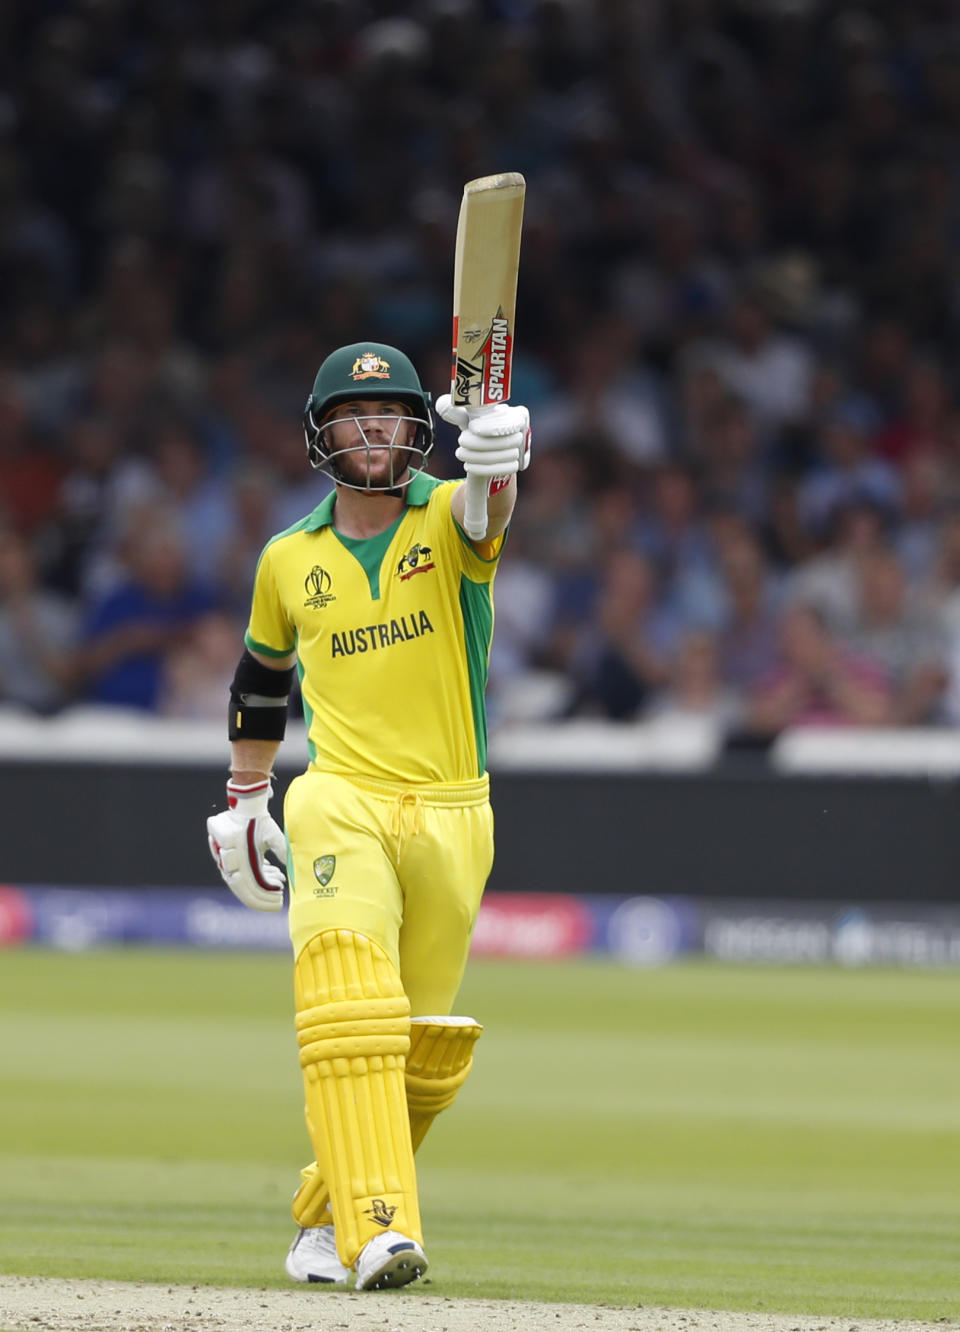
(417, 560)
(317, 587)
(496, 361)
(370, 365)
(486, 378)
(381, 1212)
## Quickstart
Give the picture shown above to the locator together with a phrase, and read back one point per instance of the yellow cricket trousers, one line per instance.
(405, 866)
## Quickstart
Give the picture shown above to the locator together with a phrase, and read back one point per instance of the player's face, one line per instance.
(371, 440)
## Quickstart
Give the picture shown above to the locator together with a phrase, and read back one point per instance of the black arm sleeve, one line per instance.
(258, 700)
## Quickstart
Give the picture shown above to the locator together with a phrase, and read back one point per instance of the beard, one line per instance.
(376, 469)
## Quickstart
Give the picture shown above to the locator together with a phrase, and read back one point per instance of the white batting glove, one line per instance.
(239, 839)
(494, 441)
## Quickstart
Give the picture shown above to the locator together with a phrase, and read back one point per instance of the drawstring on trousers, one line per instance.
(407, 818)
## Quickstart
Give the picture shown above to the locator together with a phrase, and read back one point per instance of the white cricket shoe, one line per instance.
(313, 1256)
(390, 1259)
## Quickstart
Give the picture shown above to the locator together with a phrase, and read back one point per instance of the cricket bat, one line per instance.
(484, 305)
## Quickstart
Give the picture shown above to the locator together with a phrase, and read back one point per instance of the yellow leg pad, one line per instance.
(311, 1202)
(439, 1063)
(353, 1027)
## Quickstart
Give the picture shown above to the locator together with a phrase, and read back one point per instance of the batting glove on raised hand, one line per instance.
(239, 839)
(494, 441)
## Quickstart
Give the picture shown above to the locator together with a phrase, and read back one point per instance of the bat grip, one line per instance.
(478, 488)
(475, 511)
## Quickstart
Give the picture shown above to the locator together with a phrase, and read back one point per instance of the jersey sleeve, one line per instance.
(478, 561)
(269, 631)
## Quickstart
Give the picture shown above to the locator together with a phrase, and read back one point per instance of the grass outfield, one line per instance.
(750, 1139)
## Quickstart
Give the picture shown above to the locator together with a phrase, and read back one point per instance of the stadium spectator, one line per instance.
(925, 501)
(883, 351)
(275, 445)
(750, 626)
(829, 580)
(621, 653)
(733, 472)
(922, 425)
(941, 593)
(38, 633)
(187, 486)
(559, 538)
(44, 362)
(523, 681)
(701, 397)
(101, 484)
(787, 543)
(769, 370)
(694, 690)
(128, 634)
(613, 399)
(847, 472)
(817, 682)
(672, 535)
(198, 667)
(676, 290)
(29, 475)
(903, 636)
(251, 494)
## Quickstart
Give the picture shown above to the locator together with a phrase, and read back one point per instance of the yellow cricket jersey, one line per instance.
(392, 634)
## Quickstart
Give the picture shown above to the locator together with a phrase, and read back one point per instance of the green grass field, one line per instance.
(752, 1139)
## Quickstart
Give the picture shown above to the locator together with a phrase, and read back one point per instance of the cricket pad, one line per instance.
(438, 1064)
(353, 1028)
(311, 1202)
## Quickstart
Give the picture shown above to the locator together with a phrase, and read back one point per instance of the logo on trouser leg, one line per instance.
(381, 1212)
(323, 868)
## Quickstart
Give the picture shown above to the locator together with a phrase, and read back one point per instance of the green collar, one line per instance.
(417, 494)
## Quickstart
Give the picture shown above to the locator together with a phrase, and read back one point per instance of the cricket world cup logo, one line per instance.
(317, 587)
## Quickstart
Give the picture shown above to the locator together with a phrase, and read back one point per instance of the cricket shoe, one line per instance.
(390, 1259)
(313, 1256)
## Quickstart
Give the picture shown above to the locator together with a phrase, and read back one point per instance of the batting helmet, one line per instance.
(364, 370)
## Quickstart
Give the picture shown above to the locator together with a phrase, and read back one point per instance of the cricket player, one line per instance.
(384, 606)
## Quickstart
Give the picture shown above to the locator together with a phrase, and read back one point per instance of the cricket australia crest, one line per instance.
(323, 870)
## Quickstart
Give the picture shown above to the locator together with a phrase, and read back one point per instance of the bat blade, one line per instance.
(485, 288)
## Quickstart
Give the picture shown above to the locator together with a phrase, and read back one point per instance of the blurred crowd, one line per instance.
(737, 332)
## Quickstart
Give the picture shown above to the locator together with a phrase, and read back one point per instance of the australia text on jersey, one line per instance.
(373, 636)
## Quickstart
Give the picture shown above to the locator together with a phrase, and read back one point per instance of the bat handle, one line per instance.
(478, 488)
(475, 511)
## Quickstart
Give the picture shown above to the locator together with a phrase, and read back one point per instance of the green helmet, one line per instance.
(364, 370)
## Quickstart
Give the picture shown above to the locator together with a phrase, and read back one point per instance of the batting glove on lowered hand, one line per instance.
(239, 839)
(494, 441)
